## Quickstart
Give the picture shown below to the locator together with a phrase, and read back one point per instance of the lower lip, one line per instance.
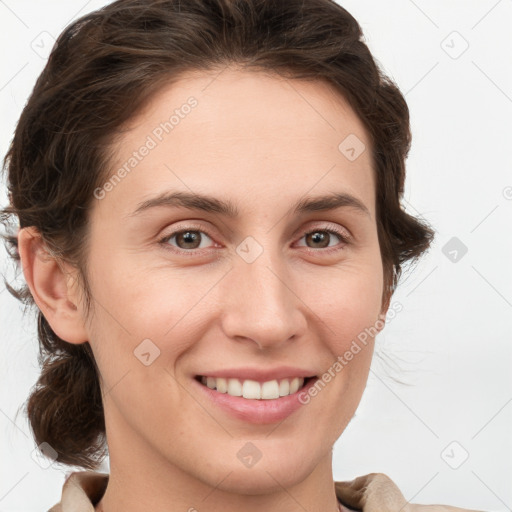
(257, 411)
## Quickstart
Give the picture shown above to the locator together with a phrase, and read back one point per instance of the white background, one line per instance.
(452, 342)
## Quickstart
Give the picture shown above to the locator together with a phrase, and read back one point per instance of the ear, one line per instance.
(53, 286)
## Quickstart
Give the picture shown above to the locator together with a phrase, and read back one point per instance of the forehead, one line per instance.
(265, 104)
(245, 133)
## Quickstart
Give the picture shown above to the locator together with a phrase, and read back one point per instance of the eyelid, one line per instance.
(340, 231)
(188, 226)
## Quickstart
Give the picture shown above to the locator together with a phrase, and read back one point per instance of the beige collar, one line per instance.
(374, 492)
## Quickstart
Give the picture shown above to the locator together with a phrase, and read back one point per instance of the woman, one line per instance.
(208, 195)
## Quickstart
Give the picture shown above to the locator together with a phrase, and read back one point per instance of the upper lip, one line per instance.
(260, 374)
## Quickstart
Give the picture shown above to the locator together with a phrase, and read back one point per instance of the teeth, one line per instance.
(222, 385)
(252, 389)
(269, 389)
(295, 384)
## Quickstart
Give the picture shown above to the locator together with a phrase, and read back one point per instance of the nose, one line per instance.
(261, 305)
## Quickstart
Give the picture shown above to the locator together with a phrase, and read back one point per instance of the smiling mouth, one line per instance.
(254, 390)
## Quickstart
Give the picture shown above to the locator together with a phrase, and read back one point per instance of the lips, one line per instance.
(252, 409)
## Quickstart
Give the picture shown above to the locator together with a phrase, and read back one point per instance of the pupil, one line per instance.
(189, 237)
(318, 236)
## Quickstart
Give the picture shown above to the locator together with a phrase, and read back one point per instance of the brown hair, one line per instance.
(102, 70)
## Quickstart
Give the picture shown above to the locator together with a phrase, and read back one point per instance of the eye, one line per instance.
(192, 238)
(321, 238)
(187, 239)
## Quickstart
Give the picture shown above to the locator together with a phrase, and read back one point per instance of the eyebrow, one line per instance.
(212, 204)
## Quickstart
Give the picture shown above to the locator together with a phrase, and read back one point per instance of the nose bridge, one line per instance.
(261, 303)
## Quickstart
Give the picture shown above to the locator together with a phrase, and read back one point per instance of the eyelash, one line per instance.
(343, 236)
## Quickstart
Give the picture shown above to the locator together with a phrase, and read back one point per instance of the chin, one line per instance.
(261, 480)
(274, 470)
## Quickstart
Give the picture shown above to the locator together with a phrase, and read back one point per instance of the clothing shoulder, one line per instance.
(81, 491)
(376, 492)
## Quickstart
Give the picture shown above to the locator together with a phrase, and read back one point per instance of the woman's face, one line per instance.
(242, 290)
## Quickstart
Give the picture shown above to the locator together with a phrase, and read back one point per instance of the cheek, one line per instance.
(141, 299)
(347, 301)
(140, 310)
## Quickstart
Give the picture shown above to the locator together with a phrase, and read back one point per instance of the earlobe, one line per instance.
(52, 286)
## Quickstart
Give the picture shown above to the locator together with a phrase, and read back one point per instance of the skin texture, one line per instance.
(263, 142)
